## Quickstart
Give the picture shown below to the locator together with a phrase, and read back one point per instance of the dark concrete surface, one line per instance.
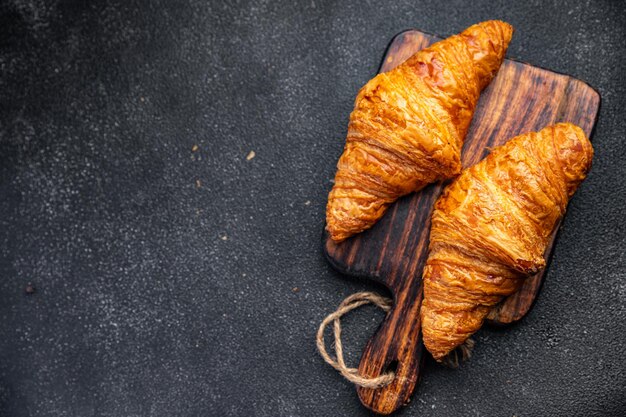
(164, 278)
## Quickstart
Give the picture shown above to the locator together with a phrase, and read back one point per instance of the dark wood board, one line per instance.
(521, 98)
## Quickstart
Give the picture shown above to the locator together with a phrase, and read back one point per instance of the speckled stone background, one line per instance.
(170, 282)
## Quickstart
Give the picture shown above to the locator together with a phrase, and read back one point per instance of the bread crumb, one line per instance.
(224, 237)
(295, 289)
(250, 155)
(198, 183)
(194, 148)
(307, 203)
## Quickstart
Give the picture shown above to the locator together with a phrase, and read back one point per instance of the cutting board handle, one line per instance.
(396, 346)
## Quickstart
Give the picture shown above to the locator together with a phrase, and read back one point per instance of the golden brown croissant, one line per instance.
(491, 226)
(408, 125)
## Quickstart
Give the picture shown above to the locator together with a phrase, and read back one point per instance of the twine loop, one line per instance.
(352, 374)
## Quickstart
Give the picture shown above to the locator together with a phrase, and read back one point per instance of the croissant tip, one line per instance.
(334, 235)
(501, 28)
(501, 23)
(437, 351)
(337, 239)
(568, 125)
(441, 356)
(458, 355)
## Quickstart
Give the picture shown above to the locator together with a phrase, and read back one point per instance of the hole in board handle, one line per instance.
(392, 367)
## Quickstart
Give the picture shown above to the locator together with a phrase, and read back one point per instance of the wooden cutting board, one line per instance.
(521, 98)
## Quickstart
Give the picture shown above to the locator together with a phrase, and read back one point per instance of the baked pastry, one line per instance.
(408, 125)
(491, 227)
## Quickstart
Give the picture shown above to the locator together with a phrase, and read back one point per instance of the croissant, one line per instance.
(408, 125)
(491, 226)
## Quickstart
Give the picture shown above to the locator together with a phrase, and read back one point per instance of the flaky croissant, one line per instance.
(491, 226)
(408, 125)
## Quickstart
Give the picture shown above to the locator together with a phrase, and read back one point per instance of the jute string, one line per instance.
(352, 374)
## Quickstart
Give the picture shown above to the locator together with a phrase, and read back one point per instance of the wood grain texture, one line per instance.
(521, 98)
